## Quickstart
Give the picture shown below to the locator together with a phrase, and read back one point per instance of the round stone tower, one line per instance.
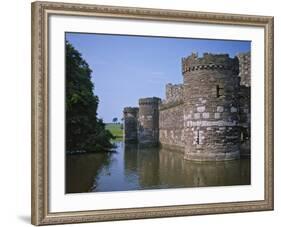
(130, 128)
(148, 128)
(211, 107)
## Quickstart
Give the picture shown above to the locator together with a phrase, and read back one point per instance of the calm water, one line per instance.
(131, 168)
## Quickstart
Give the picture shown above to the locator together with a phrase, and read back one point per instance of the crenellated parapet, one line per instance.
(133, 110)
(149, 101)
(174, 93)
(209, 62)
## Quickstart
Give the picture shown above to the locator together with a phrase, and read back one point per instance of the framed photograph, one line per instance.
(145, 113)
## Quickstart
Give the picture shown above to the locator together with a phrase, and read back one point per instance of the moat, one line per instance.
(132, 168)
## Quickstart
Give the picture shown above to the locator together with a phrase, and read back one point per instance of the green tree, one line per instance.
(115, 119)
(84, 131)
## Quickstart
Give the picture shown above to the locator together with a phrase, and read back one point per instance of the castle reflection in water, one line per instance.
(161, 168)
(133, 168)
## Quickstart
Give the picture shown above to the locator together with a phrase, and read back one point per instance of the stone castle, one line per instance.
(207, 117)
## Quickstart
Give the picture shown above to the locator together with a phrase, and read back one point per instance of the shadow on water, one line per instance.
(132, 168)
(82, 170)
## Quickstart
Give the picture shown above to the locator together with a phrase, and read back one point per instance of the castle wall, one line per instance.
(245, 68)
(171, 127)
(245, 102)
(130, 124)
(174, 93)
(148, 128)
(245, 120)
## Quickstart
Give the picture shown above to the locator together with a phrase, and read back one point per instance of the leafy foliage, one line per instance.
(84, 131)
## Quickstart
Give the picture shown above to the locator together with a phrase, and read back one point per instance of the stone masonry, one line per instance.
(130, 124)
(245, 102)
(207, 117)
(174, 93)
(148, 122)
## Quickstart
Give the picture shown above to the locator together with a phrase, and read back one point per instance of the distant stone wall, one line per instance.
(130, 130)
(148, 121)
(245, 102)
(245, 68)
(245, 119)
(171, 127)
(174, 93)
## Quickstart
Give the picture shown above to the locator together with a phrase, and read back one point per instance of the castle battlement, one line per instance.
(174, 93)
(149, 101)
(131, 110)
(209, 62)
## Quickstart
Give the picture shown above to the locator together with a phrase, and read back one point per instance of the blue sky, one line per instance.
(126, 68)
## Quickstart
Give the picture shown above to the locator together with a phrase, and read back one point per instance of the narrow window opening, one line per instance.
(219, 91)
(198, 137)
(242, 136)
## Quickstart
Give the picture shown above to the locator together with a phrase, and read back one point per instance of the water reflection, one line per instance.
(132, 167)
(143, 162)
(82, 171)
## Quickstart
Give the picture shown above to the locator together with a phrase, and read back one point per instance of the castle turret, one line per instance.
(130, 124)
(211, 107)
(148, 129)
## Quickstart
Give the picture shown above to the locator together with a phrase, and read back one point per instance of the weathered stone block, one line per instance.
(206, 115)
(220, 109)
(197, 115)
(201, 109)
(233, 109)
(217, 115)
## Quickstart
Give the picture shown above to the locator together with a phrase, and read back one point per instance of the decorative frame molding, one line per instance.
(40, 105)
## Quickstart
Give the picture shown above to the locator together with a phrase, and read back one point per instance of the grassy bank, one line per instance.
(116, 130)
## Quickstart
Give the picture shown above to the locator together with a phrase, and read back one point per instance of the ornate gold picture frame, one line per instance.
(41, 67)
